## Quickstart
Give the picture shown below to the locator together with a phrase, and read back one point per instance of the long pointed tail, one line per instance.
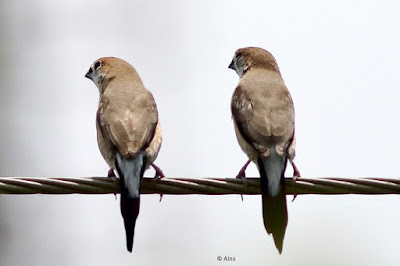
(130, 171)
(272, 169)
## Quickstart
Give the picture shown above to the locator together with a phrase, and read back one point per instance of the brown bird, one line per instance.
(263, 116)
(128, 131)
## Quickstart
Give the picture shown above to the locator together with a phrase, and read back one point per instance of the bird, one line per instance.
(264, 121)
(128, 131)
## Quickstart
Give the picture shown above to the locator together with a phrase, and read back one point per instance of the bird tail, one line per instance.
(130, 171)
(272, 169)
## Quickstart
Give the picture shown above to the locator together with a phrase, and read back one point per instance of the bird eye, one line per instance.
(97, 65)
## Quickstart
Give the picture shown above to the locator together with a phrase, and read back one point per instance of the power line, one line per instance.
(206, 186)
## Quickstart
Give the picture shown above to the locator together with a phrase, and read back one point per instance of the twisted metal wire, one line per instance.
(185, 186)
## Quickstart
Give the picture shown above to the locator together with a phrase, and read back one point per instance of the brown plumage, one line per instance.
(128, 131)
(263, 115)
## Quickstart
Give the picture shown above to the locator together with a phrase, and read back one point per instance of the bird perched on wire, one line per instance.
(128, 131)
(263, 116)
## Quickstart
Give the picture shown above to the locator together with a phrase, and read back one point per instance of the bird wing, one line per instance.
(264, 115)
(130, 123)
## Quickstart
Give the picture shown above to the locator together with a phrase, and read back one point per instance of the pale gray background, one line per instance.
(339, 59)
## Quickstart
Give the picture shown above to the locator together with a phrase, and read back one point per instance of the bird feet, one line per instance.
(159, 174)
(111, 174)
(242, 175)
(296, 175)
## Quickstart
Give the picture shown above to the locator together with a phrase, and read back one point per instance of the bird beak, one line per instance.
(232, 65)
(89, 74)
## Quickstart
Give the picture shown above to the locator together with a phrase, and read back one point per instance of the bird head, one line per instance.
(105, 69)
(252, 57)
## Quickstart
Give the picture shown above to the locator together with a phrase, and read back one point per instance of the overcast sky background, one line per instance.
(340, 61)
